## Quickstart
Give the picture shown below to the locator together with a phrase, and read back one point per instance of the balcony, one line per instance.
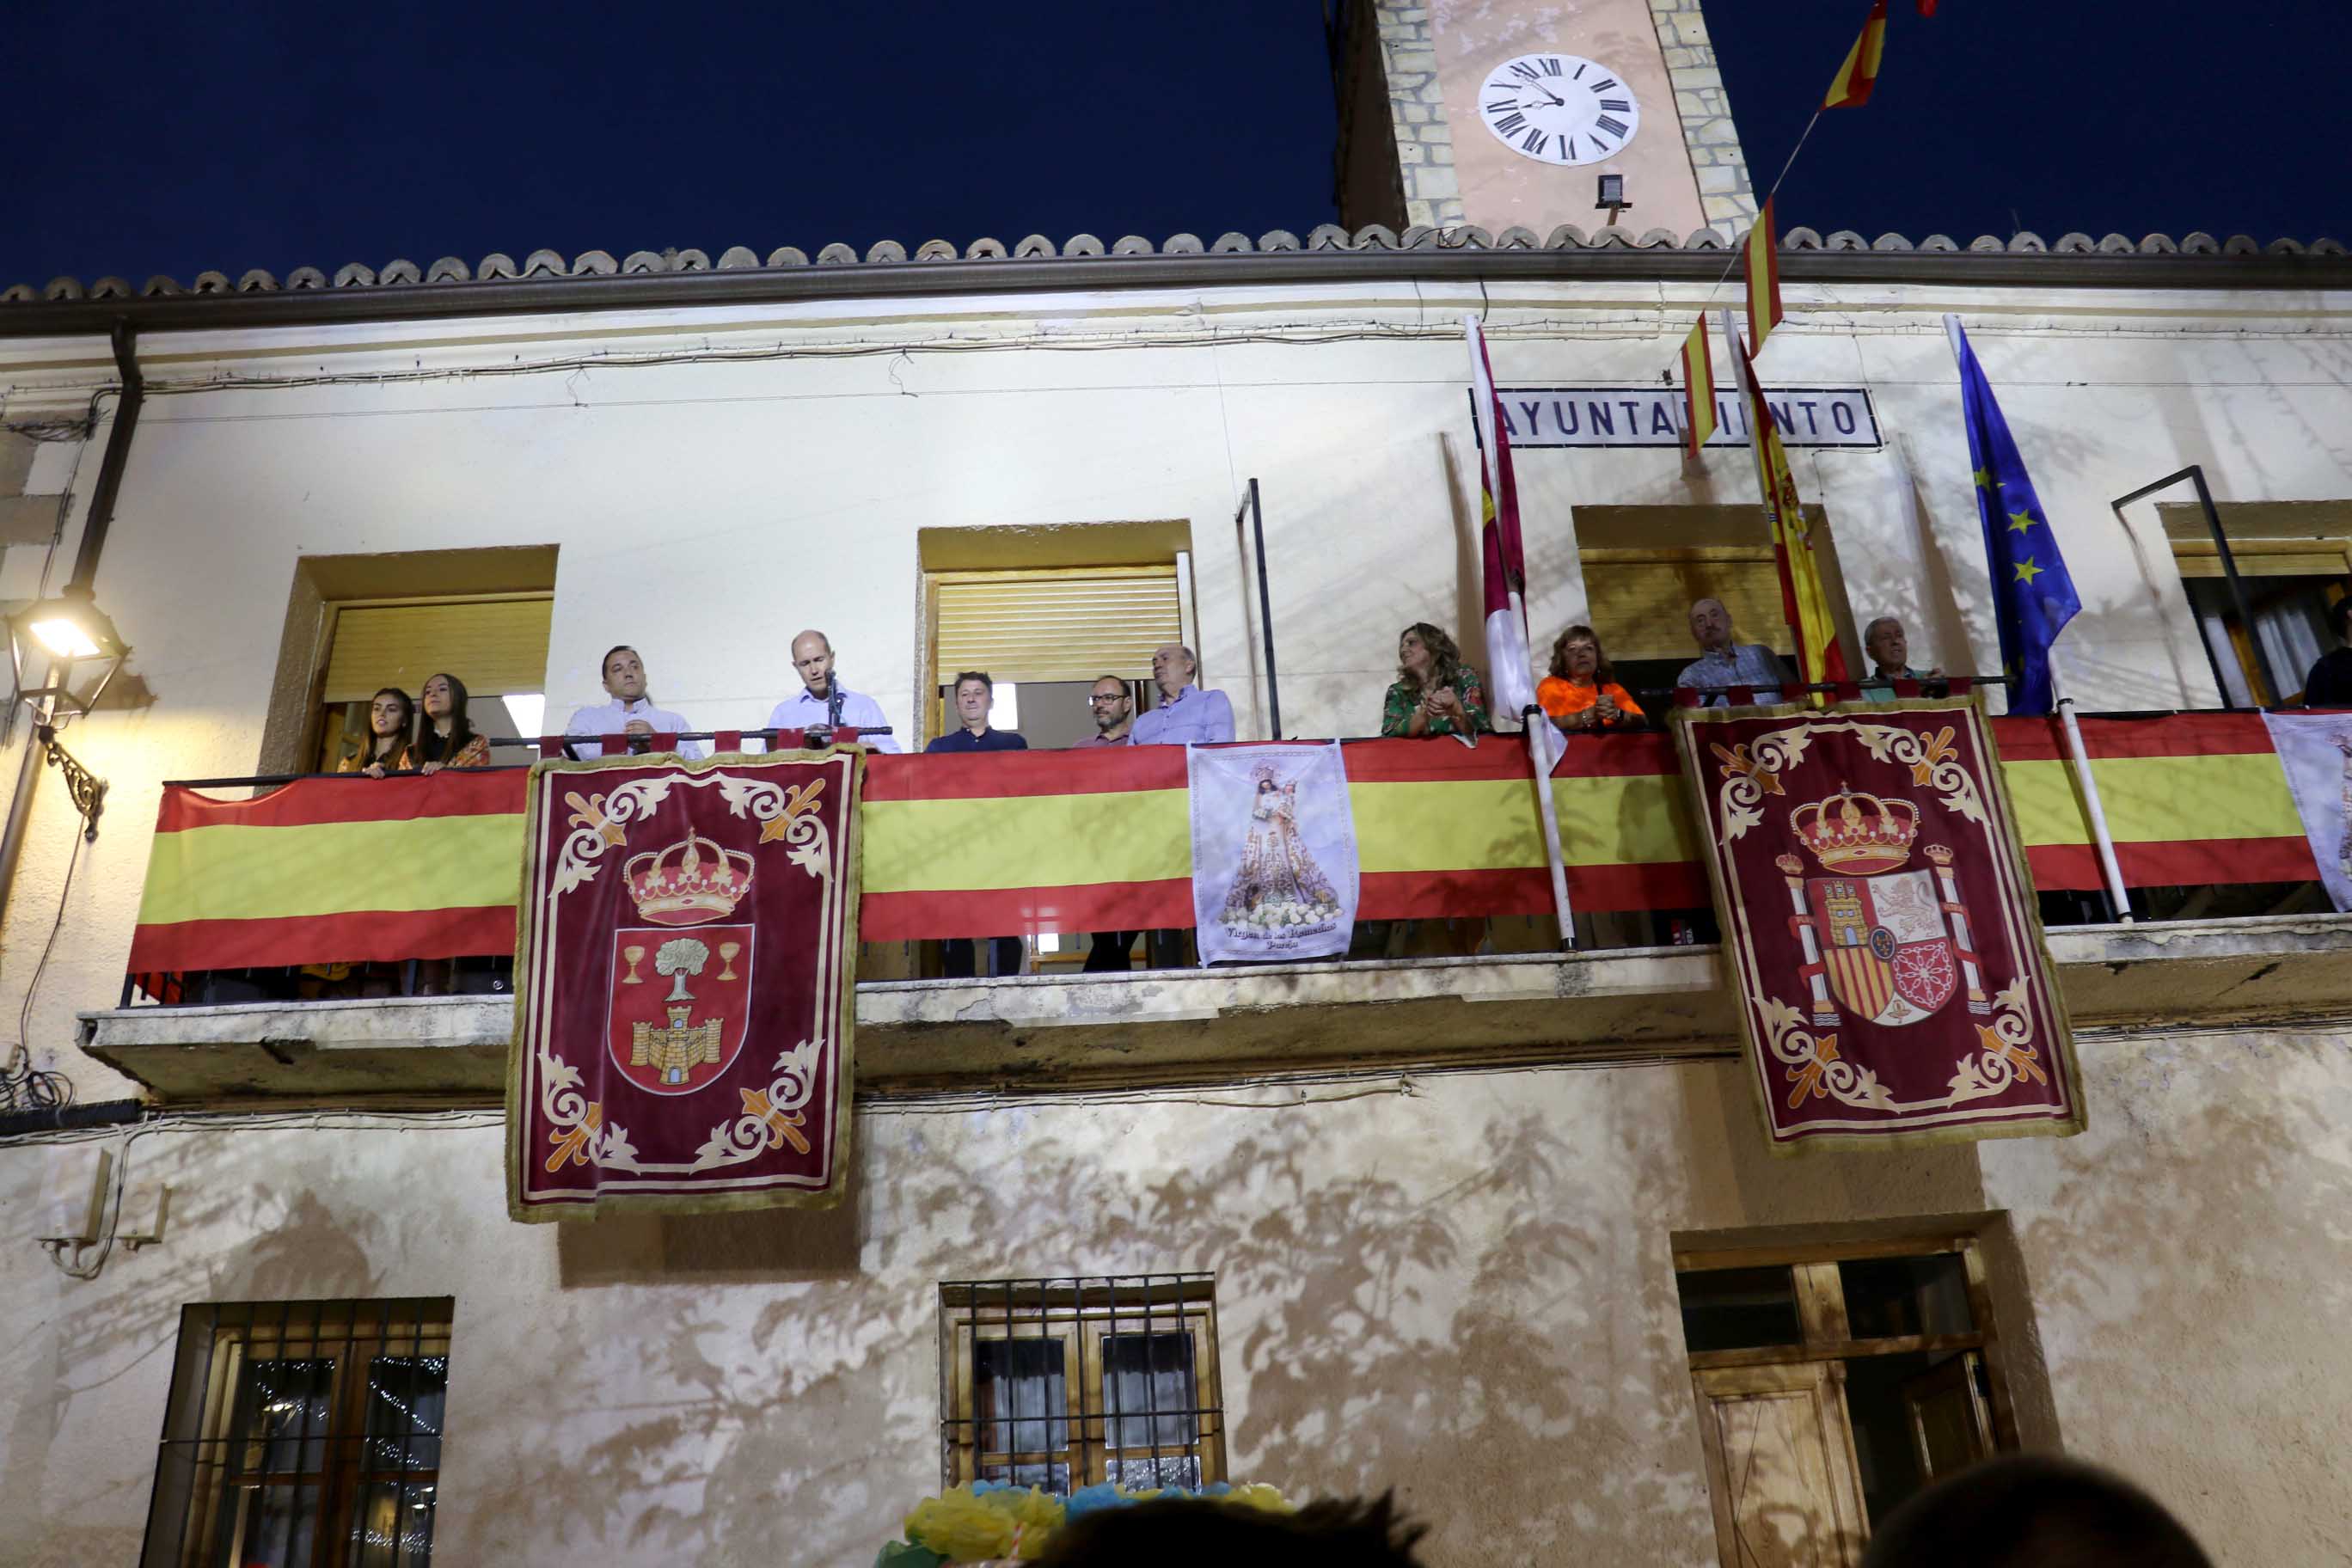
(1058, 1031)
(1039, 1033)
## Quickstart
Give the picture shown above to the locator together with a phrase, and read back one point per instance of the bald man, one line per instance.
(1724, 660)
(823, 701)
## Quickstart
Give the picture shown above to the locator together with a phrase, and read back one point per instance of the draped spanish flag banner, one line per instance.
(338, 870)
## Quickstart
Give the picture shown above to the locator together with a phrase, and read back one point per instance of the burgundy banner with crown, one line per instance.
(684, 964)
(1893, 982)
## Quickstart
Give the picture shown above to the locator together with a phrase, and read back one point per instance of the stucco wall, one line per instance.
(1461, 1288)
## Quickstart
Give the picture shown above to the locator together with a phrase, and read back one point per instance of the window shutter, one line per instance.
(2201, 560)
(1640, 599)
(494, 646)
(1055, 624)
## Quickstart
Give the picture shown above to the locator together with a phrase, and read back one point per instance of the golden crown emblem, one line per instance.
(691, 881)
(1855, 832)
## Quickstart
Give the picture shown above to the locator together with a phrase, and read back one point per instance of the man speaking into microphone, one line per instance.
(823, 703)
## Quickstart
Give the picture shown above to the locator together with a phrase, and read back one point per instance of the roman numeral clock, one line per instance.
(1558, 108)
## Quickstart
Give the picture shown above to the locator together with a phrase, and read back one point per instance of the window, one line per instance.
(2292, 559)
(302, 1434)
(1060, 1384)
(494, 644)
(1645, 565)
(1832, 1383)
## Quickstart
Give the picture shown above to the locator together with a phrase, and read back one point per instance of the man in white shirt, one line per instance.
(824, 702)
(630, 713)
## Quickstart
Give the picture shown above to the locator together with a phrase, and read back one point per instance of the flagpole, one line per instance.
(1533, 721)
(2093, 809)
(1750, 404)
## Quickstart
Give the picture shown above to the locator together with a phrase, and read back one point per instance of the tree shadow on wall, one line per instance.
(1426, 1336)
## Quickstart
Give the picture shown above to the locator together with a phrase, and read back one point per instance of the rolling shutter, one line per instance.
(1640, 599)
(1050, 624)
(494, 646)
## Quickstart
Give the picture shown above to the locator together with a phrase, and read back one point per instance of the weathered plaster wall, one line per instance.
(1463, 1291)
(766, 468)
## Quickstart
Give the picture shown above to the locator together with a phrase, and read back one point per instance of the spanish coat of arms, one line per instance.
(684, 984)
(1877, 916)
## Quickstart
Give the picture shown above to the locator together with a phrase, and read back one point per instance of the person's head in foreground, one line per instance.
(1337, 1533)
(2031, 1510)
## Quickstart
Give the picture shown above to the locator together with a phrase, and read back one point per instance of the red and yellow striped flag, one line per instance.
(1763, 280)
(1803, 599)
(1698, 389)
(1860, 72)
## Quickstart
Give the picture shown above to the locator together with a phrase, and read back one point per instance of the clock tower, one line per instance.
(1507, 112)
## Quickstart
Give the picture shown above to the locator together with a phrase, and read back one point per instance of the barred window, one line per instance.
(1060, 1384)
(302, 1434)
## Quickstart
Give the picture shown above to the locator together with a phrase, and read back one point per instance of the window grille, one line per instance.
(301, 1435)
(1060, 1384)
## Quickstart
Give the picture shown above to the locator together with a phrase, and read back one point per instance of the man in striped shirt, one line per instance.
(1724, 661)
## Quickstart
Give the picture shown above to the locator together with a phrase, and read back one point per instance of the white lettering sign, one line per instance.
(1653, 417)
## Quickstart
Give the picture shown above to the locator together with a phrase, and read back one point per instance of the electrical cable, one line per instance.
(23, 1086)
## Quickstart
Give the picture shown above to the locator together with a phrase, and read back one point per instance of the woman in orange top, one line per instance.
(1581, 692)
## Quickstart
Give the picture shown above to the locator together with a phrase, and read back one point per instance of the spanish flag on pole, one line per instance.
(1763, 256)
(1860, 72)
(1698, 389)
(1803, 600)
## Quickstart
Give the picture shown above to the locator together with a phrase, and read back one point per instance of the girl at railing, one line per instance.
(388, 749)
(449, 738)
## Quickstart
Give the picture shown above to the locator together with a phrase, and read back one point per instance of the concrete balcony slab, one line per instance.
(1040, 1034)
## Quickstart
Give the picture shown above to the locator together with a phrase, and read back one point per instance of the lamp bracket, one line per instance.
(86, 788)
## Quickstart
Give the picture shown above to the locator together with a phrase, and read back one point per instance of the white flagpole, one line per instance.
(1532, 719)
(2110, 870)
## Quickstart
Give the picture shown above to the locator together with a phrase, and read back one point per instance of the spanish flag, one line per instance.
(1860, 72)
(1763, 280)
(1698, 389)
(1803, 600)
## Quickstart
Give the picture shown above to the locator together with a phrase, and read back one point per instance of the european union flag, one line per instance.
(2033, 595)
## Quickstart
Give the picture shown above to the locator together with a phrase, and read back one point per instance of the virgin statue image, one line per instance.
(1279, 885)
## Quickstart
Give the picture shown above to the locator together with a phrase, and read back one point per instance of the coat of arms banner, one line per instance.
(1893, 982)
(1274, 852)
(684, 984)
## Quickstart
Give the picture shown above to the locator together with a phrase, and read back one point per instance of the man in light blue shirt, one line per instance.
(825, 702)
(630, 713)
(1724, 661)
(1187, 716)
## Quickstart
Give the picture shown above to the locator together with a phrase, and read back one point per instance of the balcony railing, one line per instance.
(1059, 844)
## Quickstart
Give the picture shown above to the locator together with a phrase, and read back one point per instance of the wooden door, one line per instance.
(1950, 1426)
(1781, 1466)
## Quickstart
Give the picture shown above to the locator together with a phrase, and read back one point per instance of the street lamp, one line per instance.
(1611, 196)
(84, 650)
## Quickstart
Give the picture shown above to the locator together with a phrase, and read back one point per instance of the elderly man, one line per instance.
(1186, 715)
(1723, 661)
(1890, 654)
(824, 702)
(630, 713)
(1113, 707)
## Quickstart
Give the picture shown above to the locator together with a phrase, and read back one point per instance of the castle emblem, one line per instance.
(1889, 944)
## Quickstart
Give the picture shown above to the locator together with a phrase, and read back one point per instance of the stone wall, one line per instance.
(1726, 190)
(1424, 141)
(1460, 1286)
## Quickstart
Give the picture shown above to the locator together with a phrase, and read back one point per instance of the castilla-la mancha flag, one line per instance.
(685, 962)
(1893, 982)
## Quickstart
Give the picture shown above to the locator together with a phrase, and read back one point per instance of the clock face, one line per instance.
(1558, 108)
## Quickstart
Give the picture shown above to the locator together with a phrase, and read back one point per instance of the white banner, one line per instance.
(2315, 750)
(1274, 852)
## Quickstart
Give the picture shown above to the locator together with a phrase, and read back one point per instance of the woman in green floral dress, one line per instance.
(1435, 693)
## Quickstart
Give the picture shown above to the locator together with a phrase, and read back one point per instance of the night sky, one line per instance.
(177, 139)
